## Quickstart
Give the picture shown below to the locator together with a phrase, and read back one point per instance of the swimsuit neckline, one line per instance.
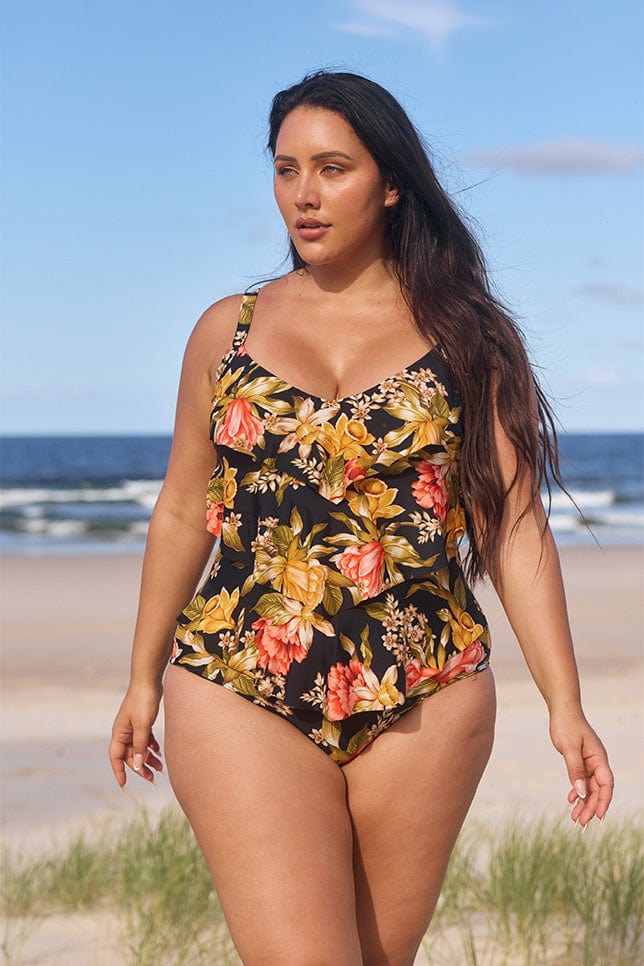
(338, 401)
(369, 390)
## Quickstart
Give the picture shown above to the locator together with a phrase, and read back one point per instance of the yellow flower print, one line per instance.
(346, 437)
(465, 630)
(373, 498)
(454, 529)
(229, 485)
(377, 695)
(300, 621)
(304, 581)
(304, 428)
(217, 614)
(425, 423)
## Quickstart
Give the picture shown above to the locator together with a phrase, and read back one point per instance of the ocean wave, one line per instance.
(142, 492)
(585, 499)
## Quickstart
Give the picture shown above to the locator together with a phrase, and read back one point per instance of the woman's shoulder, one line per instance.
(214, 330)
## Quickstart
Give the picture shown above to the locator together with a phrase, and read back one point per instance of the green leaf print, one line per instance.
(365, 647)
(242, 683)
(272, 605)
(248, 585)
(297, 524)
(378, 611)
(439, 405)
(356, 741)
(230, 537)
(195, 608)
(333, 473)
(331, 732)
(332, 600)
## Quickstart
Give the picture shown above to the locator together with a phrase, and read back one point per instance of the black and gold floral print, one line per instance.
(336, 597)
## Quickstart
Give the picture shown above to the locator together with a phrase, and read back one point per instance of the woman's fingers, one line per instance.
(144, 758)
(117, 752)
(597, 785)
(136, 747)
(606, 784)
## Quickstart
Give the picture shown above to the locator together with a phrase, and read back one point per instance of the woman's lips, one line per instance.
(310, 230)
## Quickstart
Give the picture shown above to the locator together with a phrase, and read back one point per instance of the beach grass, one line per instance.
(526, 894)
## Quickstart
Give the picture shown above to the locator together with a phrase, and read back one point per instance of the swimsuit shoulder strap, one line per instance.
(245, 318)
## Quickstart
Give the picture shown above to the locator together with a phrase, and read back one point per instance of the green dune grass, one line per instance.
(536, 894)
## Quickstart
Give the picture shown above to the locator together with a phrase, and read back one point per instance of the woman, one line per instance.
(325, 792)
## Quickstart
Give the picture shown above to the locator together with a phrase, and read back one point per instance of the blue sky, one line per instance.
(136, 188)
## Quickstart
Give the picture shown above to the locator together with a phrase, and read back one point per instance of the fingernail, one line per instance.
(580, 788)
(138, 761)
(583, 828)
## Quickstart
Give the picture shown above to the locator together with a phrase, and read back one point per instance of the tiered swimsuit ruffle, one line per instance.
(336, 597)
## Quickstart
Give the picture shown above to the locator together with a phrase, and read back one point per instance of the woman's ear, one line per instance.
(392, 194)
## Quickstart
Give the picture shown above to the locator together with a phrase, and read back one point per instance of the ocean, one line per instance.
(76, 494)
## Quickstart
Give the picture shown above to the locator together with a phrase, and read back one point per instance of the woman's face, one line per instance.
(329, 190)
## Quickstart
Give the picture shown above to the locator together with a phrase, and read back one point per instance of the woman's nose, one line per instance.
(306, 194)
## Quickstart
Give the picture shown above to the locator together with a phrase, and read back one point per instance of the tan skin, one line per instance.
(313, 862)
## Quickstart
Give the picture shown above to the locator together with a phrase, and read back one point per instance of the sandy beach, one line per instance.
(66, 631)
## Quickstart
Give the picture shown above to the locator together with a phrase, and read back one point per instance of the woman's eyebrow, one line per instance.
(315, 157)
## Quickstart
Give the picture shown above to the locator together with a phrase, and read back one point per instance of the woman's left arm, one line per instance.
(529, 583)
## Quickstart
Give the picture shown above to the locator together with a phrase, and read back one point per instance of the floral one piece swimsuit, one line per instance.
(336, 597)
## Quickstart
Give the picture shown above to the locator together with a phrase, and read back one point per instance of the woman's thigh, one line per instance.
(269, 811)
(408, 794)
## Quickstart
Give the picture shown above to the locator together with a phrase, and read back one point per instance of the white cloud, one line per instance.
(601, 377)
(611, 292)
(436, 19)
(366, 29)
(568, 155)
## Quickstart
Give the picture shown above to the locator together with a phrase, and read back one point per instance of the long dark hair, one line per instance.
(444, 281)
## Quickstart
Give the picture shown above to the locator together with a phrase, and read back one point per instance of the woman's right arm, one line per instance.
(177, 547)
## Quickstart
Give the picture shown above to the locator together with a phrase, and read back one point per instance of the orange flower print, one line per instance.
(277, 650)
(215, 518)
(329, 516)
(463, 662)
(341, 681)
(240, 428)
(352, 472)
(415, 673)
(430, 490)
(363, 565)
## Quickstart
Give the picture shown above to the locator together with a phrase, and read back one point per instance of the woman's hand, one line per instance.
(587, 764)
(133, 742)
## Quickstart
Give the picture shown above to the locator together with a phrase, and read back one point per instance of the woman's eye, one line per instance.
(332, 168)
(284, 171)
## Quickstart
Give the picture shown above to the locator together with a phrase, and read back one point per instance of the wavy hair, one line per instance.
(443, 278)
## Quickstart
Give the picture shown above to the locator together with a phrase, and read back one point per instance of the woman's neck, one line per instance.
(373, 280)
